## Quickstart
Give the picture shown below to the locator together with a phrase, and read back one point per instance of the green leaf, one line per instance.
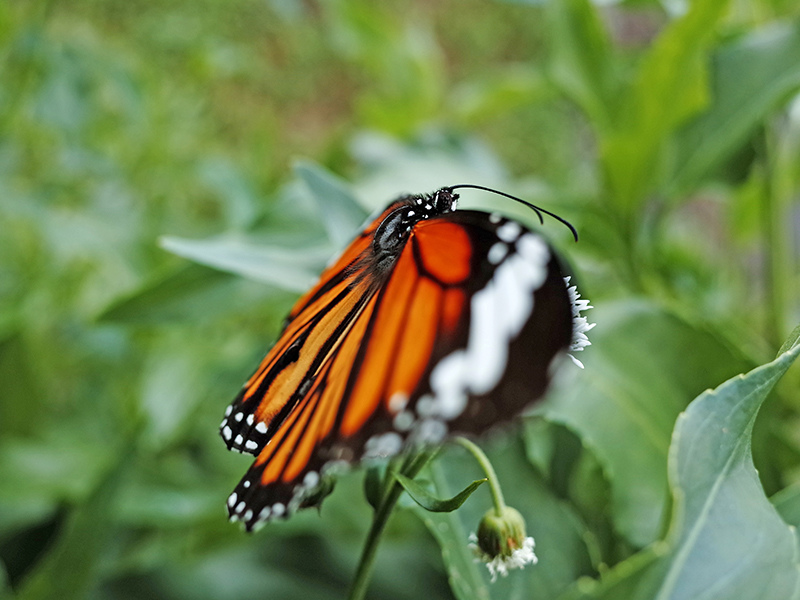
(167, 298)
(70, 568)
(582, 60)
(340, 212)
(429, 501)
(725, 539)
(671, 86)
(290, 269)
(751, 76)
(638, 378)
(787, 503)
(791, 341)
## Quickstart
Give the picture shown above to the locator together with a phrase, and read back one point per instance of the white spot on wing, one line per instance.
(261, 427)
(509, 231)
(398, 402)
(403, 421)
(387, 444)
(497, 252)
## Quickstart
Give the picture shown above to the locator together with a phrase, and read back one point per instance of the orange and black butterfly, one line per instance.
(432, 321)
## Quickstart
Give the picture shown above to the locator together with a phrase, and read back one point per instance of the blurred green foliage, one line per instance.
(668, 133)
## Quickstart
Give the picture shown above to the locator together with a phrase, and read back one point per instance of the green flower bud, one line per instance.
(501, 542)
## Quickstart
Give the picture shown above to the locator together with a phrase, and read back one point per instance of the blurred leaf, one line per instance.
(54, 468)
(671, 85)
(502, 91)
(791, 341)
(787, 503)
(171, 388)
(71, 566)
(19, 381)
(725, 539)
(582, 62)
(750, 77)
(239, 198)
(638, 378)
(168, 298)
(290, 269)
(339, 210)
(423, 165)
(431, 502)
(148, 505)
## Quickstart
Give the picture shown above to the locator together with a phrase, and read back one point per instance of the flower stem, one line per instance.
(494, 483)
(392, 491)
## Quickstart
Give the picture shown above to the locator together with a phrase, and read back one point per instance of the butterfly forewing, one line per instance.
(456, 335)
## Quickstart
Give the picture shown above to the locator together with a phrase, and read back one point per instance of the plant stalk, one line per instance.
(392, 490)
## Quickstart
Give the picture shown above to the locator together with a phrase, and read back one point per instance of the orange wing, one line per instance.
(373, 359)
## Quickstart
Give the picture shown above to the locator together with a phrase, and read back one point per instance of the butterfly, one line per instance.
(433, 321)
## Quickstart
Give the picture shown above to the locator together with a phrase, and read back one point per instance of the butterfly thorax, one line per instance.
(393, 232)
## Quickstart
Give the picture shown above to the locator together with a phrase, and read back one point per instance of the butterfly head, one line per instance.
(394, 229)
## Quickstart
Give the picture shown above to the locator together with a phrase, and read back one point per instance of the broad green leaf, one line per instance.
(430, 501)
(290, 269)
(725, 539)
(751, 76)
(340, 212)
(638, 378)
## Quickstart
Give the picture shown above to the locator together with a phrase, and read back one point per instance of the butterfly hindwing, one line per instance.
(457, 334)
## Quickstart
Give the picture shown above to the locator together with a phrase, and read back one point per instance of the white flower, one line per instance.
(580, 325)
(501, 564)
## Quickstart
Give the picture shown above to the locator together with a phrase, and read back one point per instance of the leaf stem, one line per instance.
(494, 483)
(392, 490)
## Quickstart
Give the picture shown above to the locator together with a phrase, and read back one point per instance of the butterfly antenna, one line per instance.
(535, 208)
